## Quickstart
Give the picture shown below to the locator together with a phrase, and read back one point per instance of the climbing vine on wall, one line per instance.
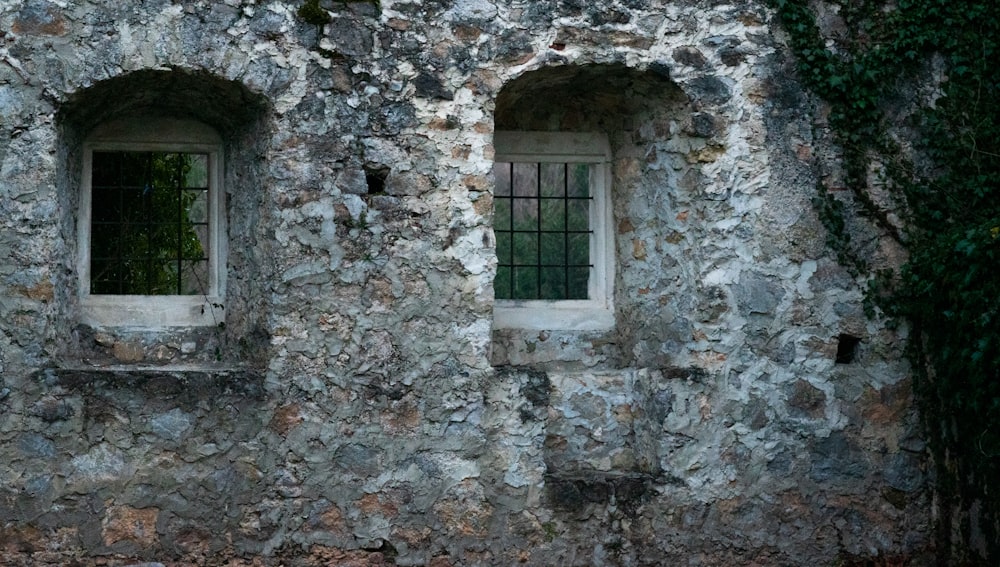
(931, 69)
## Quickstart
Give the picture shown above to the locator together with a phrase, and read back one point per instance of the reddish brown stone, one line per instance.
(464, 510)
(372, 504)
(21, 540)
(42, 291)
(128, 352)
(33, 20)
(466, 32)
(888, 405)
(285, 419)
(808, 399)
(477, 182)
(402, 417)
(484, 204)
(135, 525)
(638, 249)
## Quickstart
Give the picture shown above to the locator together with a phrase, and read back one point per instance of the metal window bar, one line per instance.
(178, 185)
(538, 225)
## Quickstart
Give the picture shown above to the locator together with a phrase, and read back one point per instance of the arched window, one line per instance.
(151, 225)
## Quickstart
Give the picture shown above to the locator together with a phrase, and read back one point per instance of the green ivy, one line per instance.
(949, 290)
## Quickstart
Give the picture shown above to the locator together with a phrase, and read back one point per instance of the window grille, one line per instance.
(149, 223)
(542, 228)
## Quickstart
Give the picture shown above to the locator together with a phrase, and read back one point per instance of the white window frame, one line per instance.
(596, 312)
(147, 134)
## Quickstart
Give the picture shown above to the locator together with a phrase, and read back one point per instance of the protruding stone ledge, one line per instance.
(202, 380)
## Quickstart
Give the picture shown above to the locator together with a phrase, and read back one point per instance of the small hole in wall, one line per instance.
(375, 179)
(847, 348)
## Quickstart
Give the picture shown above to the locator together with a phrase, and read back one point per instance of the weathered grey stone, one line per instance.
(357, 459)
(35, 445)
(712, 90)
(356, 402)
(52, 409)
(837, 458)
(758, 294)
(806, 400)
(904, 472)
(347, 37)
(689, 55)
(171, 425)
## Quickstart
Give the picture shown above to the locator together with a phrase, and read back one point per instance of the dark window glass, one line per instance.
(149, 223)
(542, 228)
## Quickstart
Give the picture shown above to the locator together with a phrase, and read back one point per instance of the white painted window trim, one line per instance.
(155, 311)
(596, 312)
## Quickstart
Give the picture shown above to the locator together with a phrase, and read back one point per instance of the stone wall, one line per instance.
(357, 407)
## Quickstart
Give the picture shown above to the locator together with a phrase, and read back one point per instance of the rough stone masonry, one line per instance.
(355, 404)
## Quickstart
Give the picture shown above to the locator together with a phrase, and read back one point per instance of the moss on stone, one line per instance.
(311, 13)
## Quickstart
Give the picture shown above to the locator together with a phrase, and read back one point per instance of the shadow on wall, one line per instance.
(584, 98)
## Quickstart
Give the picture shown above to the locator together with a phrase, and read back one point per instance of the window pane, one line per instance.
(501, 285)
(194, 205)
(501, 172)
(105, 276)
(525, 179)
(501, 214)
(525, 213)
(578, 278)
(553, 282)
(553, 179)
(526, 248)
(578, 216)
(194, 277)
(525, 283)
(504, 251)
(106, 204)
(548, 212)
(164, 205)
(104, 239)
(131, 206)
(553, 214)
(135, 169)
(553, 249)
(163, 277)
(579, 250)
(106, 169)
(137, 276)
(143, 223)
(195, 170)
(579, 180)
(194, 242)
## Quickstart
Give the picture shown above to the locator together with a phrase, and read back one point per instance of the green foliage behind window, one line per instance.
(542, 228)
(149, 223)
